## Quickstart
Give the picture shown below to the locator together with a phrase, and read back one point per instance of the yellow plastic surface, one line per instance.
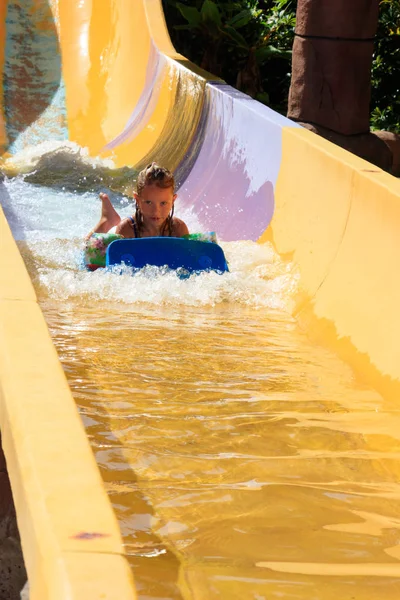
(336, 216)
(107, 77)
(71, 540)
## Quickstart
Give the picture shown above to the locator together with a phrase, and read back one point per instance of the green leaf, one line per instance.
(235, 36)
(263, 97)
(186, 27)
(210, 13)
(241, 19)
(191, 14)
(266, 52)
(226, 6)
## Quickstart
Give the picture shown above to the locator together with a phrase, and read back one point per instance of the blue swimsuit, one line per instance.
(135, 229)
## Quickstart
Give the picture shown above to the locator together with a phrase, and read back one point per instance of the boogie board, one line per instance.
(175, 253)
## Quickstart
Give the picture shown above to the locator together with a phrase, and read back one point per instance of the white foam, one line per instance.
(50, 224)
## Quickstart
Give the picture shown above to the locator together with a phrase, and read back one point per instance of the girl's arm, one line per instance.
(125, 228)
(180, 228)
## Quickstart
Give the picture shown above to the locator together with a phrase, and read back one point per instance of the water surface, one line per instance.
(242, 461)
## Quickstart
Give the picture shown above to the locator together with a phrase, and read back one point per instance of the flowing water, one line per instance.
(242, 461)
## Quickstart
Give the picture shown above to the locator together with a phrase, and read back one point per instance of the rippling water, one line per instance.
(242, 462)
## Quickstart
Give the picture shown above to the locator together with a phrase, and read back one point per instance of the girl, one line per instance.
(154, 214)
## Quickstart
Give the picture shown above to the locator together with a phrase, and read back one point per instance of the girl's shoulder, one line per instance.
(179, 227)
(124, 221)
(126, 227)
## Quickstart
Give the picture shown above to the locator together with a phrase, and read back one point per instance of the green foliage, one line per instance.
(385, 100)
(246, 42)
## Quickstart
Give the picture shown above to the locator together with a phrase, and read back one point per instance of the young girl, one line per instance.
(154, 214)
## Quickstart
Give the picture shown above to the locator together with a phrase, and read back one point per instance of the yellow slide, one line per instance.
(102, 75)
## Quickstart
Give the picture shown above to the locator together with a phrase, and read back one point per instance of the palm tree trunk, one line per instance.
(332, 58)
(330, 90)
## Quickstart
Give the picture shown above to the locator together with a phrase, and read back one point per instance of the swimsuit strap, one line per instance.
(135, 229)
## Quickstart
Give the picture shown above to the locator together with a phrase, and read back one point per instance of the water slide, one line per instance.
(99, 81)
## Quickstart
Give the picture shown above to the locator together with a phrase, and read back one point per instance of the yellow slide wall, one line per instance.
(338, 217)
(128, 60)
(335, 215)
(70, 537)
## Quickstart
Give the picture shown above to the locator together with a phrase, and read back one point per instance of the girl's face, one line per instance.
(155, 203)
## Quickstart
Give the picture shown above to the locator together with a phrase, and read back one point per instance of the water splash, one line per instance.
(50, 223)
(67, 166)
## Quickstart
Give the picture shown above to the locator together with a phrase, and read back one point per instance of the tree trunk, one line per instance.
(332, 58)
(330, 90)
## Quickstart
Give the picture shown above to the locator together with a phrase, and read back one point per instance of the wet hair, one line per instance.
(153, 174)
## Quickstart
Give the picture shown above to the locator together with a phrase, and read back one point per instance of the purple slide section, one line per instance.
(231, 183)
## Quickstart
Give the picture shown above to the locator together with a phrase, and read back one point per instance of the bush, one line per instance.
(248, 43)
(385, 99)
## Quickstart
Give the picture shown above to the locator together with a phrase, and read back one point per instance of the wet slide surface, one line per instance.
(241, 460)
